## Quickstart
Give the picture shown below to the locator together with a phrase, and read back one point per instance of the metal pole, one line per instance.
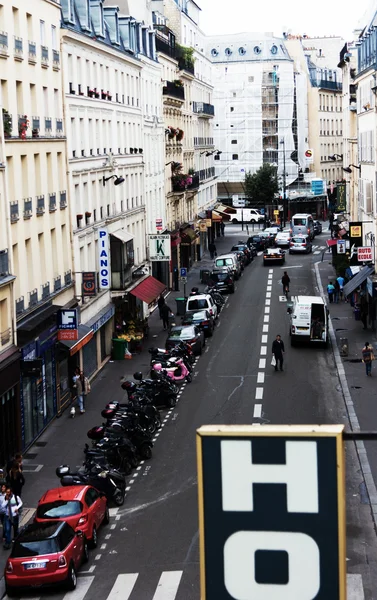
(284, 183)
(242, 217)
(184, 289)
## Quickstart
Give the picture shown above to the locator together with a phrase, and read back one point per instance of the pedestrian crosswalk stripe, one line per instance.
(317, 252)
(168, 585)
(83, 585)
(123, 586)
(355, 590)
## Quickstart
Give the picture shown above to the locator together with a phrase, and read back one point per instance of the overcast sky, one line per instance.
(322, 17)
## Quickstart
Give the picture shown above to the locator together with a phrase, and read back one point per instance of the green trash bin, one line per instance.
(181, 306)
(119, 349)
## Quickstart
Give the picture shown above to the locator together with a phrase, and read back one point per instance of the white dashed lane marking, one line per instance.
(257, 411)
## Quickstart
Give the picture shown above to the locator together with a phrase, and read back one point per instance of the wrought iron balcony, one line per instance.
(203, 109)
(20, 305)
(63, 199)
(3, 44)
(44, 56)
(68, 278)
(18, 48)
(52, 202)
(327, 84)
(57, 283)
(14, 212)
(40, 205)
(174, 90)
(32, 52)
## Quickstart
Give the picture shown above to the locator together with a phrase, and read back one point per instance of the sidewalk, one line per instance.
(63, 441)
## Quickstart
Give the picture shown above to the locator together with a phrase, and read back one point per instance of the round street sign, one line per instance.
(308, 153)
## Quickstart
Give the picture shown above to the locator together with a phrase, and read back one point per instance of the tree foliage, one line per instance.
(262, 185)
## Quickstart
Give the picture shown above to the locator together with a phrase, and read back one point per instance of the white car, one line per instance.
(201, 302)
(283, 238)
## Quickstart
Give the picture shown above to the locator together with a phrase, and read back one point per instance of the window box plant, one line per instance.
(178, 83)
(109, 96)
(131, 150)
(88, 214)
(23, 126)
(91, 93)
(7, 124)
(180, 135)
(103, 95)
(35, 133)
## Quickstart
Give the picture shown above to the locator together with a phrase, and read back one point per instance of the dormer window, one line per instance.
(214, 52)
(241, 51)
(257, 49)
(228, 51)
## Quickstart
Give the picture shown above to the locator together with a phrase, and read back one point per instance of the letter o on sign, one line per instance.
(303, 565)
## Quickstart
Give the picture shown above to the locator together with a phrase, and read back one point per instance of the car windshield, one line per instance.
(197, 304)
(198, 316)
(37, 548)
(183, 333)
(273, 251)
(223, 262)
(59, 509)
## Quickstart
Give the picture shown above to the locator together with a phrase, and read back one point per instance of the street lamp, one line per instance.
(333, 157)
(284, 179)
(117, 181)
(349, 170)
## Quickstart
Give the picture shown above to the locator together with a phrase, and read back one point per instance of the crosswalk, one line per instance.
(318, 249)
(125, 587)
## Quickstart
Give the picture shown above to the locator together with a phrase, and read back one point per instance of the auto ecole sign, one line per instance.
(364, 254)
(271, 512)
(104, 259)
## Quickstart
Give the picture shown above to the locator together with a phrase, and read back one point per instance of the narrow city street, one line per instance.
(150, 549)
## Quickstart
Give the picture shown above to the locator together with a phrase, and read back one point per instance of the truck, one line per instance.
(309, 320)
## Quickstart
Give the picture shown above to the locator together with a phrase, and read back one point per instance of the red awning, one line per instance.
(331, 243)
(148, 290)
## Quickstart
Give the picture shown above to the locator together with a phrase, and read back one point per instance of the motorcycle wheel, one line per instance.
(152, 428)
(158, 422)
(145, 451)
(134, 462)
(188, 378)
(119, 498)
(171, 402)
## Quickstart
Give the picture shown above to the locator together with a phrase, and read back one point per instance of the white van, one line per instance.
(250, 215)
(308, 320)
(302, 224)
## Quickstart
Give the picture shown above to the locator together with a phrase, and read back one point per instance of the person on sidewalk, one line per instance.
(337, 291)
(278, 352)
(166, 312)
(212, 250)
(330, 292)
(18, 458)
(160, 304)
(11, 505)
(368, 356)
(364, 311)
(82, 385)
(16, 479)
(2, 507)
(222, 228)
(340, 280)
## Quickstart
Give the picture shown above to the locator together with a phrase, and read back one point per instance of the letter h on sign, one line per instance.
(271, 512)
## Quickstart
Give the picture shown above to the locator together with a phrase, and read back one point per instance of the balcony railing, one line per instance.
(203, 141)
(44, 56)
(32, 52)
(14, 212)
(68, 278)
(164, 46)
(45, 290)
(28, 208)
(57, 283)
(203, 108)
(33, 297)
(3, 43)
(20, 305)
(327, 84)
(5, 336)
(63, 199)
(206, 173)
(56, 59)
(48, 123)
(195, 182)
(18, 47)
(59, 125)
(40, 205)
(35, 123)
(174, 90)
(52, 202)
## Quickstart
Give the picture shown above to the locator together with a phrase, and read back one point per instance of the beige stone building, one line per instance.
(35, 222)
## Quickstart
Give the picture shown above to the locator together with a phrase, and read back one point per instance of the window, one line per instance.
(234, 141)
(217, 156)
(53, 37)
(234, 156)
(42, 32)
(231, 108)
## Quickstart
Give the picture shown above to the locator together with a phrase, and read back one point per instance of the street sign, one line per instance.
(183, 272)
(184, 279)
(238, 202)
(68, 335)
(364, 254)
(272, 512)
(281, 208)
(88, 285)
(203, 227)
(104, 259)
(159, 247)
(276, 212)
(67, 318)
(341, 246)
(159, 224)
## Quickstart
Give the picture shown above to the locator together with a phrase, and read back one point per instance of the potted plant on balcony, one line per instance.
(96, 94)
(178, 83)
(7, 124)
(171, 134)
(191, 171)
(180, 134)
(35, 133)
(88, 214)
(109, 96)
(23, 126)
(176, 167)
(90, 93)
(131, 150)
(79, 217)
(103, 95)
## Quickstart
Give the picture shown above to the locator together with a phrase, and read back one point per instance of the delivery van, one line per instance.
(302, 224)
(308, 320)
(249, 215)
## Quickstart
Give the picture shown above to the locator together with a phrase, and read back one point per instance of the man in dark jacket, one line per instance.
(160, 304)
(166, 312)
(278, 352)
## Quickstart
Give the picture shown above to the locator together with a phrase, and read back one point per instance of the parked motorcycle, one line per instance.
(177, 372)
(160, 391)
(110, 482)
(127, 431)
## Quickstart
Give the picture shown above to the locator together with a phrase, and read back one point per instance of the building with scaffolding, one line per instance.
(260, 96)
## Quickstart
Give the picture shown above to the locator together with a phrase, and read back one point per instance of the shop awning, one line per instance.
(123, 235)
(148, 290)
(85, 335)
(223, 208)
(331, 243)
(357, 280)
(36, 320)
(188, 236)
(218, 215)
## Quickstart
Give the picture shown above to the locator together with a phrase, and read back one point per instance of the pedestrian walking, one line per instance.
(166, 313)
(12, 505)
(340, 280)
(330, 292)
(82, 385)
(2, 507)
(160, 304)
(337, 291)
(212, 250)
(278, 352)
(16, 479)
(368, 357)
(222, 228)
(18, 458)
(364, 311)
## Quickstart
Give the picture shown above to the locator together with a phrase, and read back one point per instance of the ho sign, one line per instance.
(271, 512)
(104, 259)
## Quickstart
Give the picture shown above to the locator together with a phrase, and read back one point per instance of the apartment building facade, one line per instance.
(36, 209)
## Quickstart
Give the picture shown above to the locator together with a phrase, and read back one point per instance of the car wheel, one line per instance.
(106, 518)
(94, 538)
(253, 221)
(234, 221)
(71, 580)
(85, 552)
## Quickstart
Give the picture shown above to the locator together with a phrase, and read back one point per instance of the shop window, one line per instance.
(234, 156)
(90, 357)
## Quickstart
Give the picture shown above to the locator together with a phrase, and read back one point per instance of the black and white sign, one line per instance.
(67, 318)
(159, 247)
(271, 511)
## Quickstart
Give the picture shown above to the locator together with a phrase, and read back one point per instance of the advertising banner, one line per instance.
(341, 200)
(88, 286)
(104, 259)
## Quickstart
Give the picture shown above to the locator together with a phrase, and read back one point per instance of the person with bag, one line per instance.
(331, 292)
(16, 479)
(12, 505)
(82, 385)
(368, 357)
(277, 353)
(212, 250)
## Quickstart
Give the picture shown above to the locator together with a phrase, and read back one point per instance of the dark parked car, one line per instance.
(188, 333)
(223, 280)
(317, 227)
(201, 319)
(257, 241)
(241, 258)
(243, 248)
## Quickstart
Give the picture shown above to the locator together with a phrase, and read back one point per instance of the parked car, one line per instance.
(82, 506)
(257, 241)
(283, 238)
(201, 302)
(228, 260)
(241, 258)
(187, 333)
(223, 280)
(317, 227)
(240, 247)
(300, 243)
(269, 239)
(201, 319)
(273, 230)
(272, 255)
(45, 554)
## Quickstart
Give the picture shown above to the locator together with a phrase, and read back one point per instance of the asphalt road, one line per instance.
(153, 551)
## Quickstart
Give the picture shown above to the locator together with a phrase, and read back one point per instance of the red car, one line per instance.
(82, 506)
(45, 554)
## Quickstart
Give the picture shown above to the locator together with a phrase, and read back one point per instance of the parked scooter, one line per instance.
(177, 372)
(110, 482)
(160, 391)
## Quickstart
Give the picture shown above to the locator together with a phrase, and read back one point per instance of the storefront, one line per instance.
(188, 246)
(70, 355)
(174, 260)
(98, 349)
(10, 431)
